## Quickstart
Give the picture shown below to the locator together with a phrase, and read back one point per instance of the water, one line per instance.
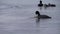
(16, 17)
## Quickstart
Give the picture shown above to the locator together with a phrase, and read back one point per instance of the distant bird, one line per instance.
(41, 16)
(40, 4)
(52, 5)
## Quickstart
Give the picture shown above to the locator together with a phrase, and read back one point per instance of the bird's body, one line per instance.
(43, 16)
(40, 5)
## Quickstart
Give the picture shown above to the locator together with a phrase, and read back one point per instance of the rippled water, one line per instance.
(17, 17)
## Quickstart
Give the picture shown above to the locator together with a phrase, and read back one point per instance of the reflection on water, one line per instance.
(37, 20)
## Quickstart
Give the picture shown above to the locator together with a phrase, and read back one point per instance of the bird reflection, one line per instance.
(40, 8)
(37, 20)
(38, 25)
(45, 7)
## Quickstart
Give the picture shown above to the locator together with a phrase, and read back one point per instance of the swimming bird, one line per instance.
(52, 5)
(41, 16)
(40, 4)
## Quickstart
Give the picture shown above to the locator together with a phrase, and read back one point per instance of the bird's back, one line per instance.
(44, 16)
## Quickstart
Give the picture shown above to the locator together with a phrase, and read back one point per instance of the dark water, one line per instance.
(16, 17)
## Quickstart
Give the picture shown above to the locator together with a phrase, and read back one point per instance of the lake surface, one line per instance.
(17, 17)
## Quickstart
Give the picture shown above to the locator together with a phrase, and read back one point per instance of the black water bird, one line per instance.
(41, 16)
(51, 5)
(40, 4)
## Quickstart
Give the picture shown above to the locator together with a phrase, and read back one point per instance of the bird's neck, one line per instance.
(38, 14)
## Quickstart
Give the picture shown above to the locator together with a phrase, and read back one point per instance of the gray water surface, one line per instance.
(17, 17)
